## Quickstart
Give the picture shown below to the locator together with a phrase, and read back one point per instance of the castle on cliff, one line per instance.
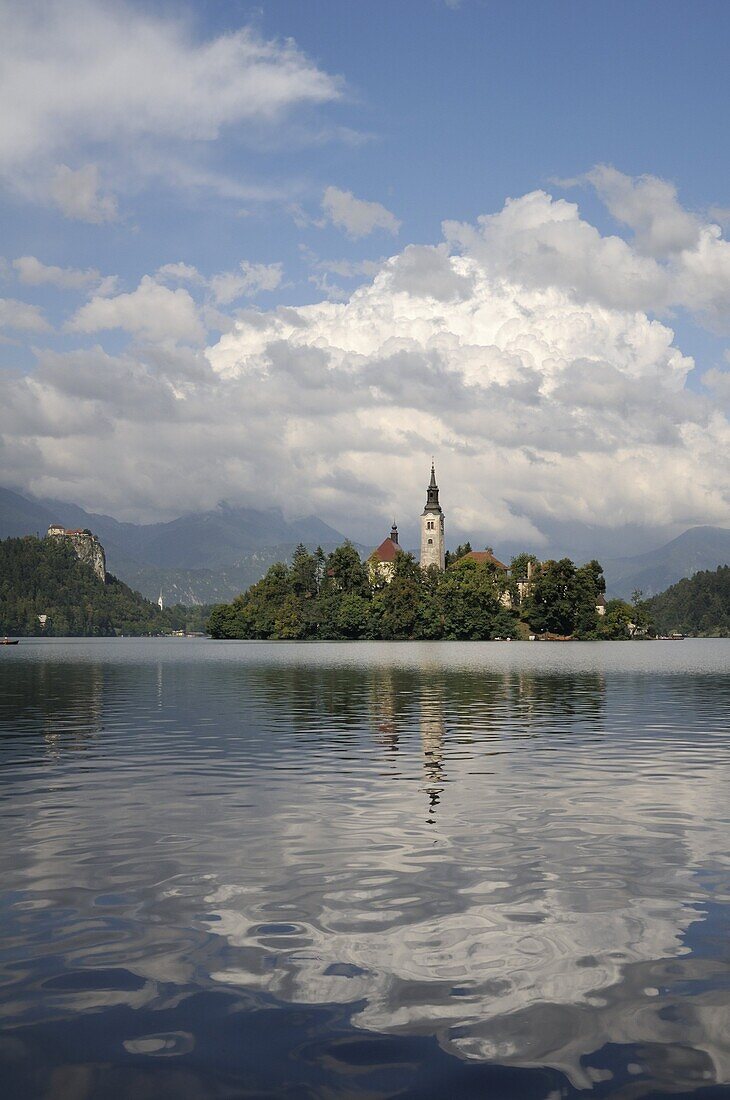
(85, 545)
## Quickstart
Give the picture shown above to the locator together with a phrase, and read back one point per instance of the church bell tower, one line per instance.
(432, 527)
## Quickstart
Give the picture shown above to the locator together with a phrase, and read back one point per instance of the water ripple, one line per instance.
(375, 861)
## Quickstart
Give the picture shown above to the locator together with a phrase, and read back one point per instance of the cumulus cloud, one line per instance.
(248, 281)
(357, 217)
(77, 195)
(227, 286)
(650, 207)
(539, 241)
(21, 316)
(178, 273)
(428, 272)
(718, 381)
(33, 272)
(524, 351)
(152, 311)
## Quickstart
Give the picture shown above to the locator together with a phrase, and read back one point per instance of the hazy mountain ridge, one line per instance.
(211, 556)
(698, 549)
(198, 558)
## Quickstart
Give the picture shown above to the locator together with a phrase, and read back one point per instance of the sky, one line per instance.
(282, 254)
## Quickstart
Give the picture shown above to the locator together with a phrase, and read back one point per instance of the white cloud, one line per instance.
(520, 351)
(21, 316)
(76, 194)
(542, 242)
(428, 272)
(249, 281)
(349, 269)
(152, 311)
(89, 70)
(33, 272)
(718, 381)
(650, 207)
(357, 217)
(132, 90)
(179, 272)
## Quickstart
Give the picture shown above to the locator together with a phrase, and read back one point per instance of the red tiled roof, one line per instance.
(387, 550)
(483, 557)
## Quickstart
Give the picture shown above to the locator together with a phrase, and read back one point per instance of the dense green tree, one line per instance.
(590, 585)
(551, 607)
(305, 573)
(698, 605)
(352, 616)
(338, 597)
(225, 621)
(471, 600)
(460, 552)
(43, 577)
(615, 624)
(519, 564)
(396, 607)
(347, 572)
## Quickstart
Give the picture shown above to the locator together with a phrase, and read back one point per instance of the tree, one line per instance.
(336, 598)
(461, 551)
(551, 606)
(352, 616)
(519, 565)
(397, 606)
(615, 623)
(346, 571)
(641, 619)
(590, 585)
(304, 573)
(472, 603)
(45, 577)
(696, 605)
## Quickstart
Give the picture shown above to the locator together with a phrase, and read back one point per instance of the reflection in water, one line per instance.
(527, 864)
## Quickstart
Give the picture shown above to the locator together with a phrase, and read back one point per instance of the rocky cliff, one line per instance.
(85, 545)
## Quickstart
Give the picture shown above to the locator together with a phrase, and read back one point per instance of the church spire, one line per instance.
(432, 493)
(432, 527)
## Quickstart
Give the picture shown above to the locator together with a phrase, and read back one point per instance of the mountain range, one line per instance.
(207, 557)
(204, 557)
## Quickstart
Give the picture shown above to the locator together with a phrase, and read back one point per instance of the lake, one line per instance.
(425, 870)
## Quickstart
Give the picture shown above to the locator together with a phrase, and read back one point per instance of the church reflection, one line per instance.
(432, 729)
(419, 716)
(483, 712)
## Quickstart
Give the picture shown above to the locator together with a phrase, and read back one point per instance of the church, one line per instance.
(433, 541)
(433, 546)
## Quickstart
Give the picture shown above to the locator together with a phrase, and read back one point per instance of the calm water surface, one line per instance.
(364, 870)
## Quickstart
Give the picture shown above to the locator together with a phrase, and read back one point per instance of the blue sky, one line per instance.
(343, 133)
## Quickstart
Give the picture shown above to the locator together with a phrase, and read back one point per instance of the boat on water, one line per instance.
(9, 641)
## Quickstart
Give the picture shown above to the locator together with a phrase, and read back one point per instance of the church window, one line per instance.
(430, 542)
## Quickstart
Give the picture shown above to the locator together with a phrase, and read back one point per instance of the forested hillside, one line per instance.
(44, 577)
(696, 605)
